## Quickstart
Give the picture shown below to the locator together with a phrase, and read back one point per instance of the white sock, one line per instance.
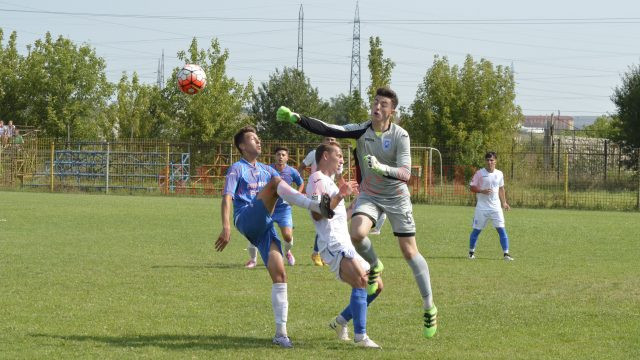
(359, 337)
(287, 246)
(253, 252)
(280, 306)
(290, 195)
(340, 320)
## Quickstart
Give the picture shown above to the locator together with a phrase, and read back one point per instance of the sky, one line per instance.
(567, 56)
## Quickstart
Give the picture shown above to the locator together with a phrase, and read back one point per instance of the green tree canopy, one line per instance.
(215, 113)
(603, 127)
(379, 67)
(470, 108)
(348, 109)
(138, 111)
(66, 86)
(58, 87)
(292, 89)
(12, 104)
(626, 97)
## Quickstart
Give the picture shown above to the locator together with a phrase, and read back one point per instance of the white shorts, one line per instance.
(333, 257)
(481, 217)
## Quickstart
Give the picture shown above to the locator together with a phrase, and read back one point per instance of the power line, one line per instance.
(504, 21)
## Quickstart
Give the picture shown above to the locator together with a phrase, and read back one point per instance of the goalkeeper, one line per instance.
(384, 160)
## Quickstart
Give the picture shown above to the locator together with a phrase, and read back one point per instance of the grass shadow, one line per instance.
(172, 342)
(224, 266)
(203, 266)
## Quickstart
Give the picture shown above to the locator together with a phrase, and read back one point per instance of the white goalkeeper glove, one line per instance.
(375, 166)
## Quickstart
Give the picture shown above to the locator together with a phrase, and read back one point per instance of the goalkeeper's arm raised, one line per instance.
(319, 127)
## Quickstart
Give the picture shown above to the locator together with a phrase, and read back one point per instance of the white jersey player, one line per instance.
(335, 247)
(488, 185)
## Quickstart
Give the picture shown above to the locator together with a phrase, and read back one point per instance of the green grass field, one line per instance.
(120, 277)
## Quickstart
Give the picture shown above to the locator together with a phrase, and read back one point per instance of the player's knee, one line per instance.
(357, 235)
(279, 278)
(408, 252)
(274, 181)
(361, 282)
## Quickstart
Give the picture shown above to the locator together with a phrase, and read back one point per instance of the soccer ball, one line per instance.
(191, 79)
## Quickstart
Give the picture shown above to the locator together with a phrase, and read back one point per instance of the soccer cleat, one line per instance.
(341, 330)
(250, 264)
(472, 255)
(283, 342)
(374, 273)
(325, 206)
(290, 259)
(317, 260)
(367, 343)
(507, 257)
(430, 322)
(374, 232)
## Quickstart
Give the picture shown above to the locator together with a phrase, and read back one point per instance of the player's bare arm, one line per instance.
(225, 234)
(346, 188)
(503, 199)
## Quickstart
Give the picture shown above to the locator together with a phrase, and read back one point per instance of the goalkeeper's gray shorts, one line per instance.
(398, 209)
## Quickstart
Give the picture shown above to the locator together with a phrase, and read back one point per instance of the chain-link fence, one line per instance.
(560, 171)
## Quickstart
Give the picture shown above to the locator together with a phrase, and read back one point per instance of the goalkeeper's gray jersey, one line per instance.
(391, 148)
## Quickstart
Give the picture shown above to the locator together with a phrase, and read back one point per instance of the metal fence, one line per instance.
(563, 171)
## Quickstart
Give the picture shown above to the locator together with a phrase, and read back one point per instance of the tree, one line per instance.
(471, 109)
(292, 89)
(602, 127)
(135, 113)
(379, 67)
(66, 86)
(348, 109)
(12, 104)
(627, 100)
(215, 113)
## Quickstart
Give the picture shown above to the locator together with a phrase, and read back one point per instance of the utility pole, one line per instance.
(160, 75)
(300, 62)
(356, 83)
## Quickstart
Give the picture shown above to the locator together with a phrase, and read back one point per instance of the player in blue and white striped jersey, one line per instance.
(254, 189)
(282, 214)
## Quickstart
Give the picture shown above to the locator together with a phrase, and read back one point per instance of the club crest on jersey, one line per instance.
(386, 144)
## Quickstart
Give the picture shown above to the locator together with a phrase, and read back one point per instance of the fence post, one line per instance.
(166, 173)
(53, 147)
(107, 179)
(566, 179)
(558, 165)
(426, 170)
(638, 173)
(606, 149)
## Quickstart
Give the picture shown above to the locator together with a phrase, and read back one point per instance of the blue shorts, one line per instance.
(256, 224)
(282, 215)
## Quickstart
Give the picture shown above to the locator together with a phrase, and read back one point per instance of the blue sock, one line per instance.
(473, 238)
(504, 239)
(346, 313)
(315, 244)
(358, 307)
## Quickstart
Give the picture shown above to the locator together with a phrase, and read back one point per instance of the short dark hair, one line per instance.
(387, 92)
(490, 154)
(238, 138)
(280, 148)
(325, 147)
